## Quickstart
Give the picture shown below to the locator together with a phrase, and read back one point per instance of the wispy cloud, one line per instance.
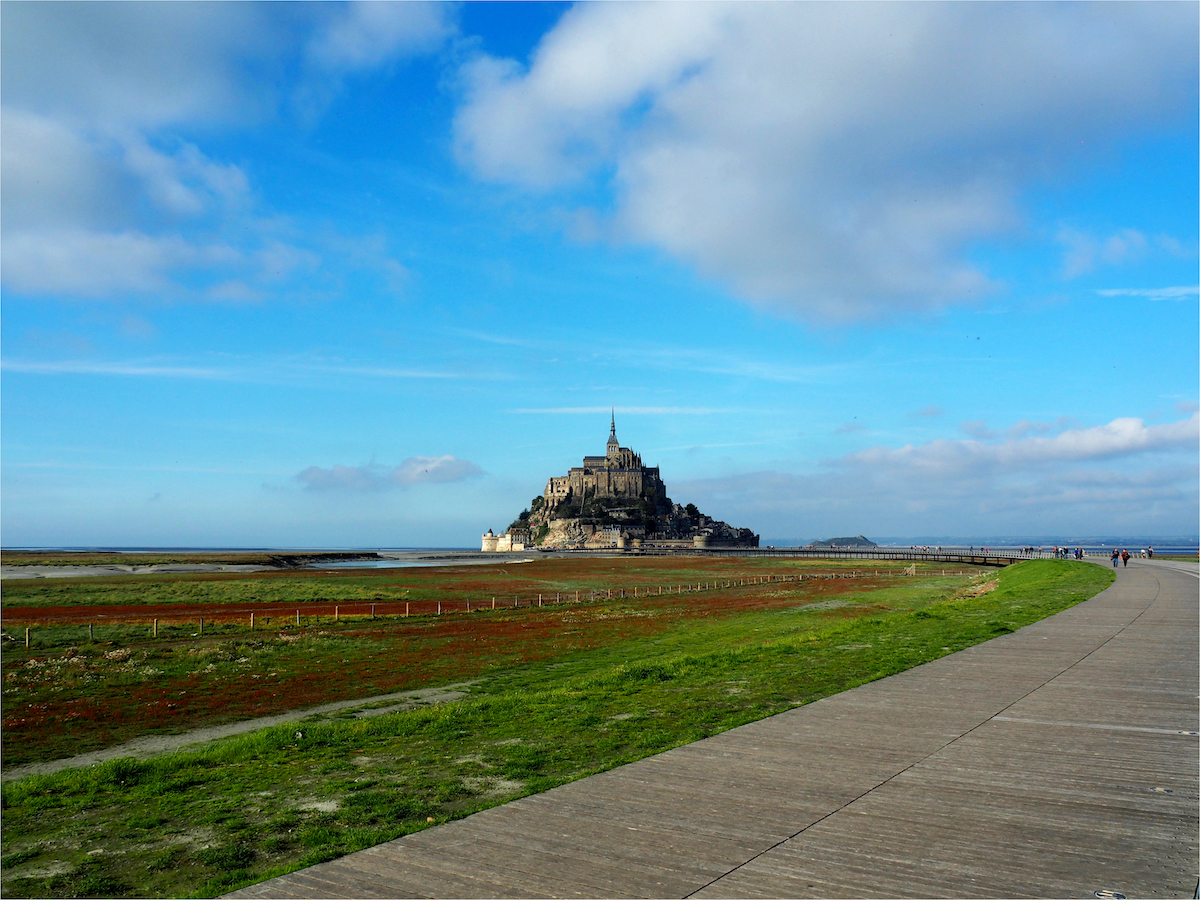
(709, 446)
(671, 359)
(712, 363)
(105, 467)
(1120, 437)
(1084, 252)
(1164, 293)
(629, 410)
(136, 370)
(927, 412)
(1125, 474)
(252, 371)
(379, 371)
(500, 339)
(372, 477)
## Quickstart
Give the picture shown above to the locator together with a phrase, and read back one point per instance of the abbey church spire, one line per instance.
(612, 433)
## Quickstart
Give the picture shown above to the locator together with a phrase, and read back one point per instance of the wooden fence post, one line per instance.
(26, 638)
(251, 621)
(202, 625)
(372, 612)
(406, 610)
(156, 627)
(336, 615)
(91, 633)
(297, 618)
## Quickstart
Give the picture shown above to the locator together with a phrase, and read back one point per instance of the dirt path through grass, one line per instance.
(167, 743)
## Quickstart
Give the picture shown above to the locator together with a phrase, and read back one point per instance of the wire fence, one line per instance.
(182, 621)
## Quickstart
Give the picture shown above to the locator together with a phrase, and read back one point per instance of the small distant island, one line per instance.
(858, 542)
(613, 502)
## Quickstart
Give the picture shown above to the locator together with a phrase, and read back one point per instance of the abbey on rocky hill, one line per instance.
(613, 501)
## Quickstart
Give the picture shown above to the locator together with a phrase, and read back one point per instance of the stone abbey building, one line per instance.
(613, 501)
(618, 474)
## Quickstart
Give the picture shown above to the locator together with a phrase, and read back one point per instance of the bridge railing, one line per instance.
(989, 556)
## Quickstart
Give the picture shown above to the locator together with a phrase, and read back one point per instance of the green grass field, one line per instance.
(261, 804)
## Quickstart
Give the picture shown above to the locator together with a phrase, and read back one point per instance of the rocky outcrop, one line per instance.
(858, 542)
(608, 523)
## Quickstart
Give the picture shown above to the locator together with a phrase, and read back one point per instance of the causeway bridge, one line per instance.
(981, 556)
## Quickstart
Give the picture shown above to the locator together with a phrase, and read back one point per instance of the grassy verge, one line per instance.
(75, 689)
(246, 808)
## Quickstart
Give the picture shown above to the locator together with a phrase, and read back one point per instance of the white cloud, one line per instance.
(142, 65)
(977, 429)
(1084, 252)
(1164, 293)
(97, 263)
(1124, 475)
(136, 370)
(53, 176)
(363, 35)
(1025, 427)
(1120, 437)
(253, 371)
(102, 198)
(835, 159)
(414, 470)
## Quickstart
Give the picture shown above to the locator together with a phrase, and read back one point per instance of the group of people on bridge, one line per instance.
(1065, 552)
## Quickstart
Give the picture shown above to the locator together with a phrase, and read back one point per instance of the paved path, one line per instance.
(1057, 761)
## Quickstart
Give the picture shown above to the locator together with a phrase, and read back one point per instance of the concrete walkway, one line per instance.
(1057, 761)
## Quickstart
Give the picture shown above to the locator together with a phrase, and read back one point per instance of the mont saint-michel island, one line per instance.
(613, 502)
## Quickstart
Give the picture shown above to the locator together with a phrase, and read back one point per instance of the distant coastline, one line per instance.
(1158, 542)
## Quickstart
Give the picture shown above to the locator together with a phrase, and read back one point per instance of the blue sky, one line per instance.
(367, 274)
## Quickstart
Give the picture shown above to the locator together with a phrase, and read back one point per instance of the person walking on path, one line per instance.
(1116, 554)
(1125, 557)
